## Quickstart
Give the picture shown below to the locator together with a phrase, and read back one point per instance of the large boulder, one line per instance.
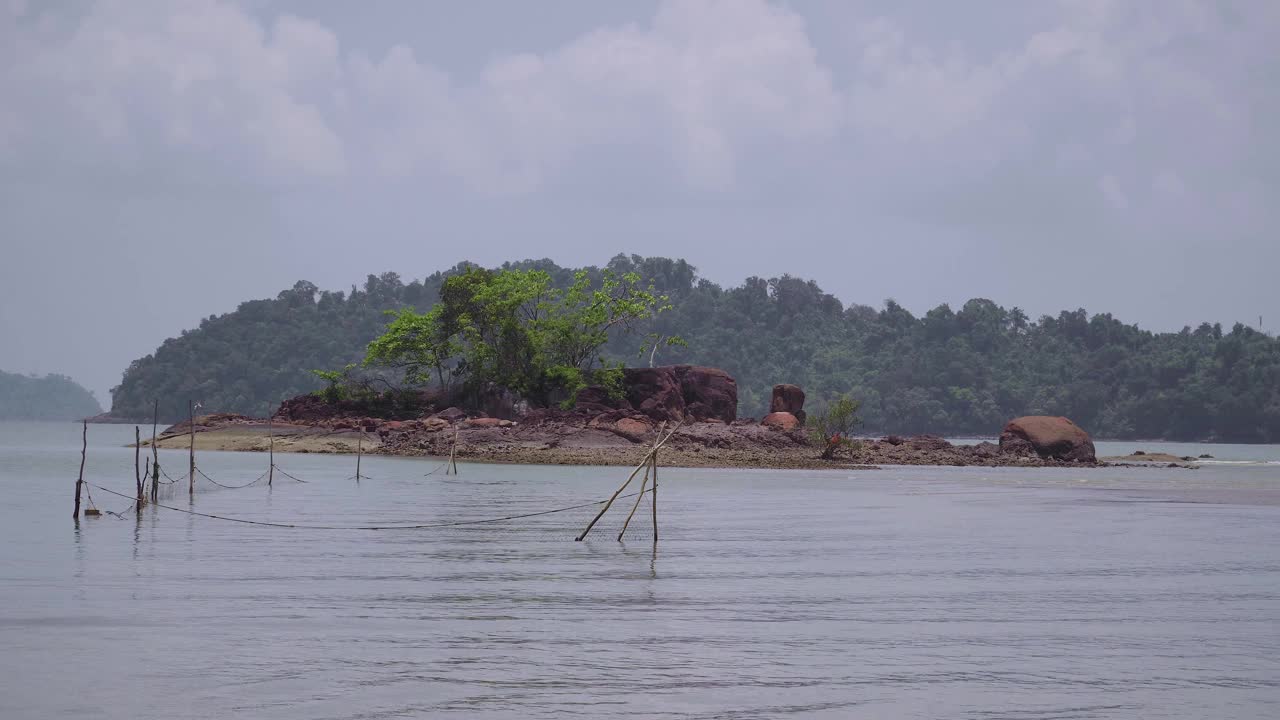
(709, 393)
(1049, 437)
(788, 399)
(781, 421)
(682, 392)
(654, 392)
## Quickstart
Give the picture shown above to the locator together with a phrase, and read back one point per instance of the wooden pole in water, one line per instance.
(137, 465)
(639, 496)
(453, 453)
(618, 492)
(271, 453)
(654, 460)
(155, 452)
(84, 447)
(359, 452)
(191, 425)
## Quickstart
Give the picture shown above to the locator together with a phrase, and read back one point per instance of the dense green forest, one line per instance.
(951, 371)
(52, 397)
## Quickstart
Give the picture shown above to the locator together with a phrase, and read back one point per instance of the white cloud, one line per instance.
(707, 90)
(204, 75)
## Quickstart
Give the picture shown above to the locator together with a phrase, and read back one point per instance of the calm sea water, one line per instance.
(894, 593)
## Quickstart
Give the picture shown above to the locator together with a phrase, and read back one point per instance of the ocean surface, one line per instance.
(892, 593)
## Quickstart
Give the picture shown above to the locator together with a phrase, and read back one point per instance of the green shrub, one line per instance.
(830, 428)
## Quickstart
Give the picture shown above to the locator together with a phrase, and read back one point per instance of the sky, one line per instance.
(160, 162)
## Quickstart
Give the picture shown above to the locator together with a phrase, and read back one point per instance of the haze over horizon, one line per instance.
(165, 161)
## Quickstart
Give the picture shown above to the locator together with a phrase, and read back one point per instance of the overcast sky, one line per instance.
(162, 161)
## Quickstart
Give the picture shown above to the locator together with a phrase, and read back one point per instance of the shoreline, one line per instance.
(568, 440)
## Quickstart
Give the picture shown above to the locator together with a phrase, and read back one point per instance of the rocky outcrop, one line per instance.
(595, 399)
(1055, 438)
(788, 399)
(709, 393)
(678, 392)
(391, 405)
(781, 421)
(654, 392)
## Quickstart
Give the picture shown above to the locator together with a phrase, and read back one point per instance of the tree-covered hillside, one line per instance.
(52, 397)
(952, 371)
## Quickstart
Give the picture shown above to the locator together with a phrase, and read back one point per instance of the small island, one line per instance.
(52, 397)
(508, 367)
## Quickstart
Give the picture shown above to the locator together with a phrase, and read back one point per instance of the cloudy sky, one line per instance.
(162, 161)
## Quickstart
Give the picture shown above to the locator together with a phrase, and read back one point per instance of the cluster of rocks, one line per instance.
(786, 408)
(676, 393)
(704, 402)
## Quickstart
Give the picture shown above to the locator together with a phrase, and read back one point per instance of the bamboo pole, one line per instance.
(271, 452)
(359, 452)
(84, 447)
(191, 425)
(453, 453)
(618, 492)
(155, 451)
(137, 465)
(644, 482)
(654, 460)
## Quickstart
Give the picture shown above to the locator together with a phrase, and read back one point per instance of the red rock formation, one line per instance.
(709, 393)
(1048, 437)
(788, 399)
(682, 392)
(781, 421)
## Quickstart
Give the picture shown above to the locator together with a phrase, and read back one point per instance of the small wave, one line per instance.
(1231, 462)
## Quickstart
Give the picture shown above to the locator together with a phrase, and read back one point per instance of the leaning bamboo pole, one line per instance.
(608, 504)
(644, 482)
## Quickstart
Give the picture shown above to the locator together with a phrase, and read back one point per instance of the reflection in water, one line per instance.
(901, 592)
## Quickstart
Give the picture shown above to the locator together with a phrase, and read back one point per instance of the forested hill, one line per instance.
(952, 371)
(52, 397)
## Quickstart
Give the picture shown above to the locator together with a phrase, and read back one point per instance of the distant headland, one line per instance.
(52, 397)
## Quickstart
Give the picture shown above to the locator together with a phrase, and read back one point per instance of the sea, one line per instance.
(412, 592)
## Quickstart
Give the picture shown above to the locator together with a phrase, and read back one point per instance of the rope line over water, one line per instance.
(231, 487)
(282, 472)
(425, 526)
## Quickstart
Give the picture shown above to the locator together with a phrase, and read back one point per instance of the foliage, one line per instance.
(832, 427)
(513, 329)
(52, 397)
(338, 387)
(949, 372)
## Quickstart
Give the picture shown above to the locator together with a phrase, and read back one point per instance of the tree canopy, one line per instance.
(515, 330)
(964, 371)
(52, 397)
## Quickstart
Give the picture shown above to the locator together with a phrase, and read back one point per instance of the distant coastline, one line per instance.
(51, 397)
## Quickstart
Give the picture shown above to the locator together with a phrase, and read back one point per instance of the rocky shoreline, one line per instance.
(560, 438)
(616, 427)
